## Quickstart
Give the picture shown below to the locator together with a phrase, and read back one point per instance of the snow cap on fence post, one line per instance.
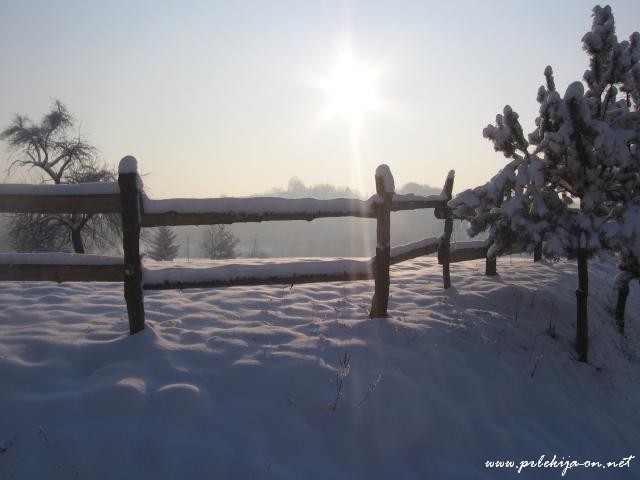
(128, 164)
(384, 181)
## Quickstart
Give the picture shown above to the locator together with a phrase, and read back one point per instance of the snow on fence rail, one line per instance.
(228, 274)
(127, 198)
(187, 211)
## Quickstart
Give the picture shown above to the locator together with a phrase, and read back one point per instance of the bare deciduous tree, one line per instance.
(59, 156)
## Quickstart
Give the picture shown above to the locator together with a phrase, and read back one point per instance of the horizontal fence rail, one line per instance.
(62, 273)
(263, 273)
(240, 210)
(294, 272)
(95, 197)
(413, 250)
(465, 251)
(127, 198)
(172, 212)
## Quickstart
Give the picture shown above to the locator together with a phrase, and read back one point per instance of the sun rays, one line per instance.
(351, 88)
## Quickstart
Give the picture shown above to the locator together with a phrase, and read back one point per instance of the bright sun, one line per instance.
(351, 88)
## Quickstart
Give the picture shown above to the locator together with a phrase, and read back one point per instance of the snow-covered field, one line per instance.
(238, 383)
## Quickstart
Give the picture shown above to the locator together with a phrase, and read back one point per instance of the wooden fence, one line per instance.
(127, 198)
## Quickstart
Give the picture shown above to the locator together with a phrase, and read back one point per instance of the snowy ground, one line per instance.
(238, 383)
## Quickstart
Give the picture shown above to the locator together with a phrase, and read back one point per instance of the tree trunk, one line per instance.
(491, 264)
(537, 253)
(623, 293)
(490, 267)
(76, 239)
(582, 293)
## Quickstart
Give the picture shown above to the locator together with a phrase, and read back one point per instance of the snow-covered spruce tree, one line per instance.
(622, 235)
(584, 148)
(162, 245)
(615, 66)
(512, 206)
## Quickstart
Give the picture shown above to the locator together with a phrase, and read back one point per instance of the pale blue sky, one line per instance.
(217, 97)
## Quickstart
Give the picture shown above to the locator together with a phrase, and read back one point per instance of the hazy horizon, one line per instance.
(226, 99)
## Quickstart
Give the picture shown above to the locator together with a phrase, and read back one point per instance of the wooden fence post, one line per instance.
(130, 187)
(385, 189)
(623, 293)
(582, 294)
(444, 249)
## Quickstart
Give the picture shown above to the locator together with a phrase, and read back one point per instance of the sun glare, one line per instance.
(351, 88)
